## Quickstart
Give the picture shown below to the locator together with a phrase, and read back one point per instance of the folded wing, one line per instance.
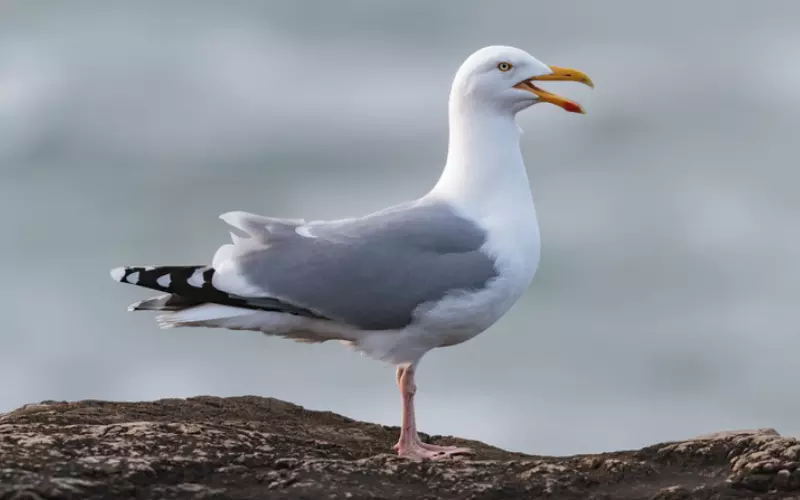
(371, 273)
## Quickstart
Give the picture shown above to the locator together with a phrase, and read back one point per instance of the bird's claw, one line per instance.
(415, 449)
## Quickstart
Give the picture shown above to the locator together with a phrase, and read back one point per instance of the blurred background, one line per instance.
(666, 301)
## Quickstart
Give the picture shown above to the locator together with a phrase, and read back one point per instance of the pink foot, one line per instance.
(448, 450)
(416, 449)
(410, 445)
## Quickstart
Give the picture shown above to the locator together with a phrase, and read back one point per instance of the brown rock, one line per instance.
(250, 447)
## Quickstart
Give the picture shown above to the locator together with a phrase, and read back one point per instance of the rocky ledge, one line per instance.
(250, 447)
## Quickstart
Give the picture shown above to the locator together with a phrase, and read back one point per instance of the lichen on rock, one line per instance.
(251, 447)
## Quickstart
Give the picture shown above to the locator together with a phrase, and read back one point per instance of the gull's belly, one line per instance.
(464, 315)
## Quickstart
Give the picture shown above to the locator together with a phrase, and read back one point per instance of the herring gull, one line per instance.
(393, 284)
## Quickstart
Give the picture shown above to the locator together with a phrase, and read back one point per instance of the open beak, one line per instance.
(558, 74)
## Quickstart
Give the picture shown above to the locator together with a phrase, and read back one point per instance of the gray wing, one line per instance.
(370, 272)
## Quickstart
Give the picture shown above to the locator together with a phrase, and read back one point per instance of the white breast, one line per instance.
(514, 242)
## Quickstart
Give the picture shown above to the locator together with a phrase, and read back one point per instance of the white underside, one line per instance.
(453, 320)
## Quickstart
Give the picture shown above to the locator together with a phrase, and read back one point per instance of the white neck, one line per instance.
(484, 165)
(485, 178)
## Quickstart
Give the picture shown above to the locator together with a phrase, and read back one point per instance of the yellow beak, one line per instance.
(558, 74)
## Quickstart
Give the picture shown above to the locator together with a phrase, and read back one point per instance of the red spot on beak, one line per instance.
(572, 107)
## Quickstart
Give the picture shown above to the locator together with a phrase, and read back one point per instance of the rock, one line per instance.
(262, 448)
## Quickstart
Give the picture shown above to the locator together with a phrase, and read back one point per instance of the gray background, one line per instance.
(666, 302)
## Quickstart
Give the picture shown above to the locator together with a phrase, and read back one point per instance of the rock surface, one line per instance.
(250, 447)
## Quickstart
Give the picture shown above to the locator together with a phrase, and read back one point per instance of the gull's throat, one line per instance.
(484, 164)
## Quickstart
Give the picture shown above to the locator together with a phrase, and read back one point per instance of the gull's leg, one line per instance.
(410, 445)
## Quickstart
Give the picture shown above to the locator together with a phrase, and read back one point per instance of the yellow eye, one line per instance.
(504, 66)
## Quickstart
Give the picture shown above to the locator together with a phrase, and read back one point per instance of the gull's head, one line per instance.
(505, 79)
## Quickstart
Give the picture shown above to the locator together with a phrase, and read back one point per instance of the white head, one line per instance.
(500, 78)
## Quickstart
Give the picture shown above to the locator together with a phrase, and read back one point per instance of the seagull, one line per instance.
(393, 284)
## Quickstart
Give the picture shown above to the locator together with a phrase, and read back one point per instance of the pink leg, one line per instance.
(410, 445)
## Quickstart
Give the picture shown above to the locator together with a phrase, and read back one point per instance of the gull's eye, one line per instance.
(504, 66)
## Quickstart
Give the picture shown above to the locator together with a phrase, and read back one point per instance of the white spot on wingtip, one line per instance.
(164, 280)
(304, 231)
(133, 278)
(196, 279)
(118, 273)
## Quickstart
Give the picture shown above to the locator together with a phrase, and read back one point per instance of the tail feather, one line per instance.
(166, 302)
(180, 280)
(191, 286)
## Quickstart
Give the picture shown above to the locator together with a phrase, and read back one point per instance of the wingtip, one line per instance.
(117, 273)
